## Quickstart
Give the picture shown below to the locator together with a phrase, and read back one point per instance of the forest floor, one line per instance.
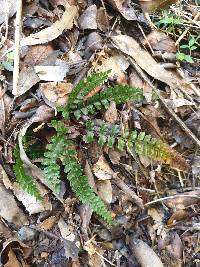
(46, 48)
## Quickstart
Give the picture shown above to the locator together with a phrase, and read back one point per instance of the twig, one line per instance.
(170, 111)
(17, 48)
(186, 30)
(169, 197)
(128, 191)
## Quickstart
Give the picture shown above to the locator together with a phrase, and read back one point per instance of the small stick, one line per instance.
(17, 48)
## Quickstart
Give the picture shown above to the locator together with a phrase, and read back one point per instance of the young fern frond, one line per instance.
(119, 93)
(25, 181)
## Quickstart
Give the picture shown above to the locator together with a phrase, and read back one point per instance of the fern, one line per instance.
(25, 181)
(118, 93)
(62, 148)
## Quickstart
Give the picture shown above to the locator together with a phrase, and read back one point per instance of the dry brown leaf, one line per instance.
(102, 169)
(124, 8)
(9, 209)
(55, 94)
(111, 113)
(88, 19)
(160, 41)
(144, 254)
(152, 5)
(52, 32)
(129, 46)
(105, 190)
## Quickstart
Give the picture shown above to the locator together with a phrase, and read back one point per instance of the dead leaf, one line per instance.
(129, 46)
(52, 32)
(105, 190)
(7, 9)
(111, 113)
(88, 19)
(102, 169)
(160, 41)
(144, 254)
(52, 73)
(37, 54)
(9, 209)
(125, 8)
(55, 94)
(153, 5)
(27, 79)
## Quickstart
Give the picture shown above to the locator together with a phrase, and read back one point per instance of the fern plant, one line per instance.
(62, 149)
(25, 181)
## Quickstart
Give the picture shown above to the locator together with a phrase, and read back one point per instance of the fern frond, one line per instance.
(80, 186)
(82, 89)
(54, 151)
(25, 181)
(119, 93)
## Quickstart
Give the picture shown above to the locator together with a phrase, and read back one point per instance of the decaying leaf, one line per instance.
(88, 19)
(145, 254)
(52, 32)
(7, 9)
(9, 209)
(55, 94)
(105, 190)
(153, 5)
(102, 169)
(130, 46)
(125, 8)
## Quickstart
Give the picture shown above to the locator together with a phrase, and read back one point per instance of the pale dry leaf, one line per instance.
(7, 9)
(102, 169)
(31, 204)
(130, 47)
(9, 209)
(117, 63)
(48, 34)
(27, 79)
(105, 190)
(88, 20)
(51, 73)
(125, 8)
(144, 254)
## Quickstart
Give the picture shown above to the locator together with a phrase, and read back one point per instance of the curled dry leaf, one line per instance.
(102, 169)
(14, 253)
(144, 254)
(52, 32)
(117, 63)
(152, 5)
(88, 19)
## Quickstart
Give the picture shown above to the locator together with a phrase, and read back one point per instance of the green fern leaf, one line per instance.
(84, 87)
(119, 93)
(25, 181)
(80, 186)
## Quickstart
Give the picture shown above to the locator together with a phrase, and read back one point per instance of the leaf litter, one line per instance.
(156, 207)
